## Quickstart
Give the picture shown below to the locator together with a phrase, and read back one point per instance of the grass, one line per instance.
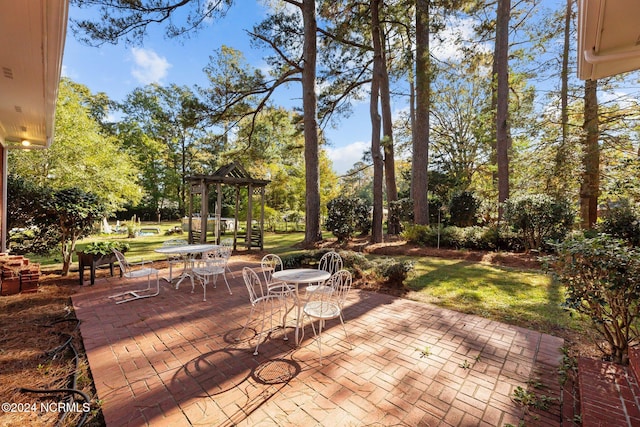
(527, 298)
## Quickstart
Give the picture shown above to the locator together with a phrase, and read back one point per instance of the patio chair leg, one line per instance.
(319, 338)
(345, 333)
(135, 293)
(246, 323)
(255, 353)
(225, 281)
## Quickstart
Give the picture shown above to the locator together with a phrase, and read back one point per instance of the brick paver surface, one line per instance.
(176, 360)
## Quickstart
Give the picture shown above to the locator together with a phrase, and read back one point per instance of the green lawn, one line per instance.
(523, 297)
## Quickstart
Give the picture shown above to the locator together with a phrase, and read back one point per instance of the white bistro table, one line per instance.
(297, 276)
(186, 252)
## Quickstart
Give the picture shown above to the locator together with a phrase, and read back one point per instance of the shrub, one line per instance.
(621, 221)
(30, 226)
(602, 280)
(400, 211)
(393, 272)
(418, 234)
(436, 212)
(539, 217)
(463, 209)
(346, 215)
(476, 238)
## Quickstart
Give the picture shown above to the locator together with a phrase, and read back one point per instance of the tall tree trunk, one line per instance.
(564, 75)
(556, 184)
(378, 65)
(393, 226)
(309, 106)
(503, 138)
(590, 186)
(419, 176)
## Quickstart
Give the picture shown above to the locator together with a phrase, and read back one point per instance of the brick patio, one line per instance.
(174, 360)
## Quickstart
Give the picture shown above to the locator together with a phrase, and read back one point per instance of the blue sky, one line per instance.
(118, 69)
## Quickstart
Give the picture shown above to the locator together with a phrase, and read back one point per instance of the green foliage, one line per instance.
(394, 272)
(28, 225)
(387, 270)
(294, 217)
(475, 238)
(401, 211)
(463, 209)
(530, 399)
(271, 218)
(75, 212)
(105, 247)
(346, 216)
(432, 236)
(539, 218)
(620, 220)
(83, 155)
(437, 210)
(602, 280)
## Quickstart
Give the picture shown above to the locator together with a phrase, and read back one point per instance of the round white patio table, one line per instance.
(296, 276)
(187, 252)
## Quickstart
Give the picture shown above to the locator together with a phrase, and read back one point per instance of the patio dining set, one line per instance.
(316, 294)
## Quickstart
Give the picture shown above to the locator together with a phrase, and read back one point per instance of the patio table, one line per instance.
(296, 276)
(187, 252)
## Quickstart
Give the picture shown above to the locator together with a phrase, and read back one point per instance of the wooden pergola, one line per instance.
(230, 175)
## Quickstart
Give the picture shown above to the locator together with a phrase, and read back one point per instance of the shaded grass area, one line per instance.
(526, 298)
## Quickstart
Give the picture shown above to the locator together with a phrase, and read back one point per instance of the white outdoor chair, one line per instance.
(328, 305)
(271, 263)
(259, 299)
(132, 273)
(207, 268)
(225, 252)
(174, 259)
(331, 262)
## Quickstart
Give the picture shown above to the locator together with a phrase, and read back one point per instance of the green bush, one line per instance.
(602, 280)
(418, 234)
(437, 210)
(539, 218)
(478, 238)
(620, 220)
(387, 270)
(346, 216)
(463, 209)
(393, 272)
(401, 211)
(474, 238)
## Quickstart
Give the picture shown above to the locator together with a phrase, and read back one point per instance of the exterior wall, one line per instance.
(3, 198)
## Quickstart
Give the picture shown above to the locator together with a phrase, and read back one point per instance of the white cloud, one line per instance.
(148, 66)
(343, 158)
(444, 47)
